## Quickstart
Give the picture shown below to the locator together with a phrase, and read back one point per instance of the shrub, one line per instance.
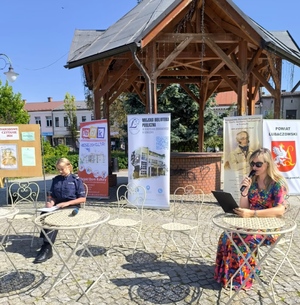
(52, 154)
(122, 158)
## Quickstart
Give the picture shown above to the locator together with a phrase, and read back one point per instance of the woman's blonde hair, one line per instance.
(273, 174)
(66, 162)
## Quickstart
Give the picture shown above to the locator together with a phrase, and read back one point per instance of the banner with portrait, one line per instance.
(93, 158)
(149, 156)
(242, 135)
(282, 138)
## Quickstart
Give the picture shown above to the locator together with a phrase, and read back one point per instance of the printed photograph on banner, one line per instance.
(147, 163)
(8, 157)
(241, 136)
(284, 155)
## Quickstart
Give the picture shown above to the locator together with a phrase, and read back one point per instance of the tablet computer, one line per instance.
(226, 201)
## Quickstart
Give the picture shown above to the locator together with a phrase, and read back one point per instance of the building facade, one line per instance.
(53, 119)
(290, 105)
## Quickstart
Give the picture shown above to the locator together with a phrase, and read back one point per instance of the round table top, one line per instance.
(8, 212)
(63, 219)
(254, 225)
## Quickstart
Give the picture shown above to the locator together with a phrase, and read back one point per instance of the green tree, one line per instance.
(117, 118)
(184, 117)
(70, 109)
(12, 106)
(213, 124)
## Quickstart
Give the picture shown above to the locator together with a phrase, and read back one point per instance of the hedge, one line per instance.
(50, 160)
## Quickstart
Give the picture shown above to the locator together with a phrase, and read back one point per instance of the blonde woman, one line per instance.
(264, 196)
(66, 190)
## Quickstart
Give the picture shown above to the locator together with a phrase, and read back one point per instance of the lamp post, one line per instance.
(11, 75)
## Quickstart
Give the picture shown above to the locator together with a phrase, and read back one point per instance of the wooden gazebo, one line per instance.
(209, 43)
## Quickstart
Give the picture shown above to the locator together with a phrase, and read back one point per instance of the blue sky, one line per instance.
(37, 35)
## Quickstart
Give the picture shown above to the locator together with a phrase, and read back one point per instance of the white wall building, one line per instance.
(290, 105)
(54, 121)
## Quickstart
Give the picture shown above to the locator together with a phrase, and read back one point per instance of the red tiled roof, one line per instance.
(228, 98)
(43, 106)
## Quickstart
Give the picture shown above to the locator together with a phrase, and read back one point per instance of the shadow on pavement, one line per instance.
(171, 287)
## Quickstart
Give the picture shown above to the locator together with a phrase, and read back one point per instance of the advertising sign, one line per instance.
(282, 138)
(242, 136)
(93, 158)
(149, 156)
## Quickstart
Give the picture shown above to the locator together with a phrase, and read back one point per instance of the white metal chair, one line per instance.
(86, 188)
(24, 196)
(283, 247)
(285, 244)
(130, 214)
(187, 224)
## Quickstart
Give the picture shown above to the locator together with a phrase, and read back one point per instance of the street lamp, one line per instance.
(11, 75)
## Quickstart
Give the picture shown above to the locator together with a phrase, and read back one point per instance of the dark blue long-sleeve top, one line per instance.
(66, 188)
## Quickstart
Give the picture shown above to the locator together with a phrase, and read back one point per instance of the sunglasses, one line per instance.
(257, 164)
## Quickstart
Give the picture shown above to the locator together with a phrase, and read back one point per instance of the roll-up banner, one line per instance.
(149, 156)
(93, 158)
(282, 138)
(241, 135)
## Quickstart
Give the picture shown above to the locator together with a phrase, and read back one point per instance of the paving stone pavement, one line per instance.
(145, 278)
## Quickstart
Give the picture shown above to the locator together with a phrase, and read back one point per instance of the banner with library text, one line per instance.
(93, 158)
(241, 135)
(149, 156)
(282, 138)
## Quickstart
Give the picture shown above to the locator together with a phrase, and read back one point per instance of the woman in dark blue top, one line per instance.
(66, 190)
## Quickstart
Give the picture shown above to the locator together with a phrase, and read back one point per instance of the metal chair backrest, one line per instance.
(23, 192)
(187, 195)
(131, 196)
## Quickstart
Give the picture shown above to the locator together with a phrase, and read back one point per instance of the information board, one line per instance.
(20, 150)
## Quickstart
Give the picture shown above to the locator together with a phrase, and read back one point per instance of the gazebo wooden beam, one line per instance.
(173, 38)
(171, 57)
(263, 81)
(113, 78)
(223, 56)
(167, 20)
(101, 71)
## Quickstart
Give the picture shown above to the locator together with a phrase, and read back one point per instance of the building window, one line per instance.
(92, 117)
(83, 118)
(69, 141)
(291, 114)
(48, 121)
(38, 120)
(57, 122)
(66, 122)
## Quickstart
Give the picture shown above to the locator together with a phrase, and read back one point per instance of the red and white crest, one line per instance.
(284, 155)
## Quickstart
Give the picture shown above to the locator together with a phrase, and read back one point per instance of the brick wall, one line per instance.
(202, 170)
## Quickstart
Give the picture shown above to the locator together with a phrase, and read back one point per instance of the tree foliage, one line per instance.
(184, 118)
(70, 109)
(118, 117)
(12, 106)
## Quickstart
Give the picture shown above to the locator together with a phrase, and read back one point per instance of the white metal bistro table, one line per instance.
(6, 214)
(235, 225)
(84, 225)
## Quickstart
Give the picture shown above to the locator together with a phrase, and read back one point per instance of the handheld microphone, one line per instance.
(252, 173)
(75, 212)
